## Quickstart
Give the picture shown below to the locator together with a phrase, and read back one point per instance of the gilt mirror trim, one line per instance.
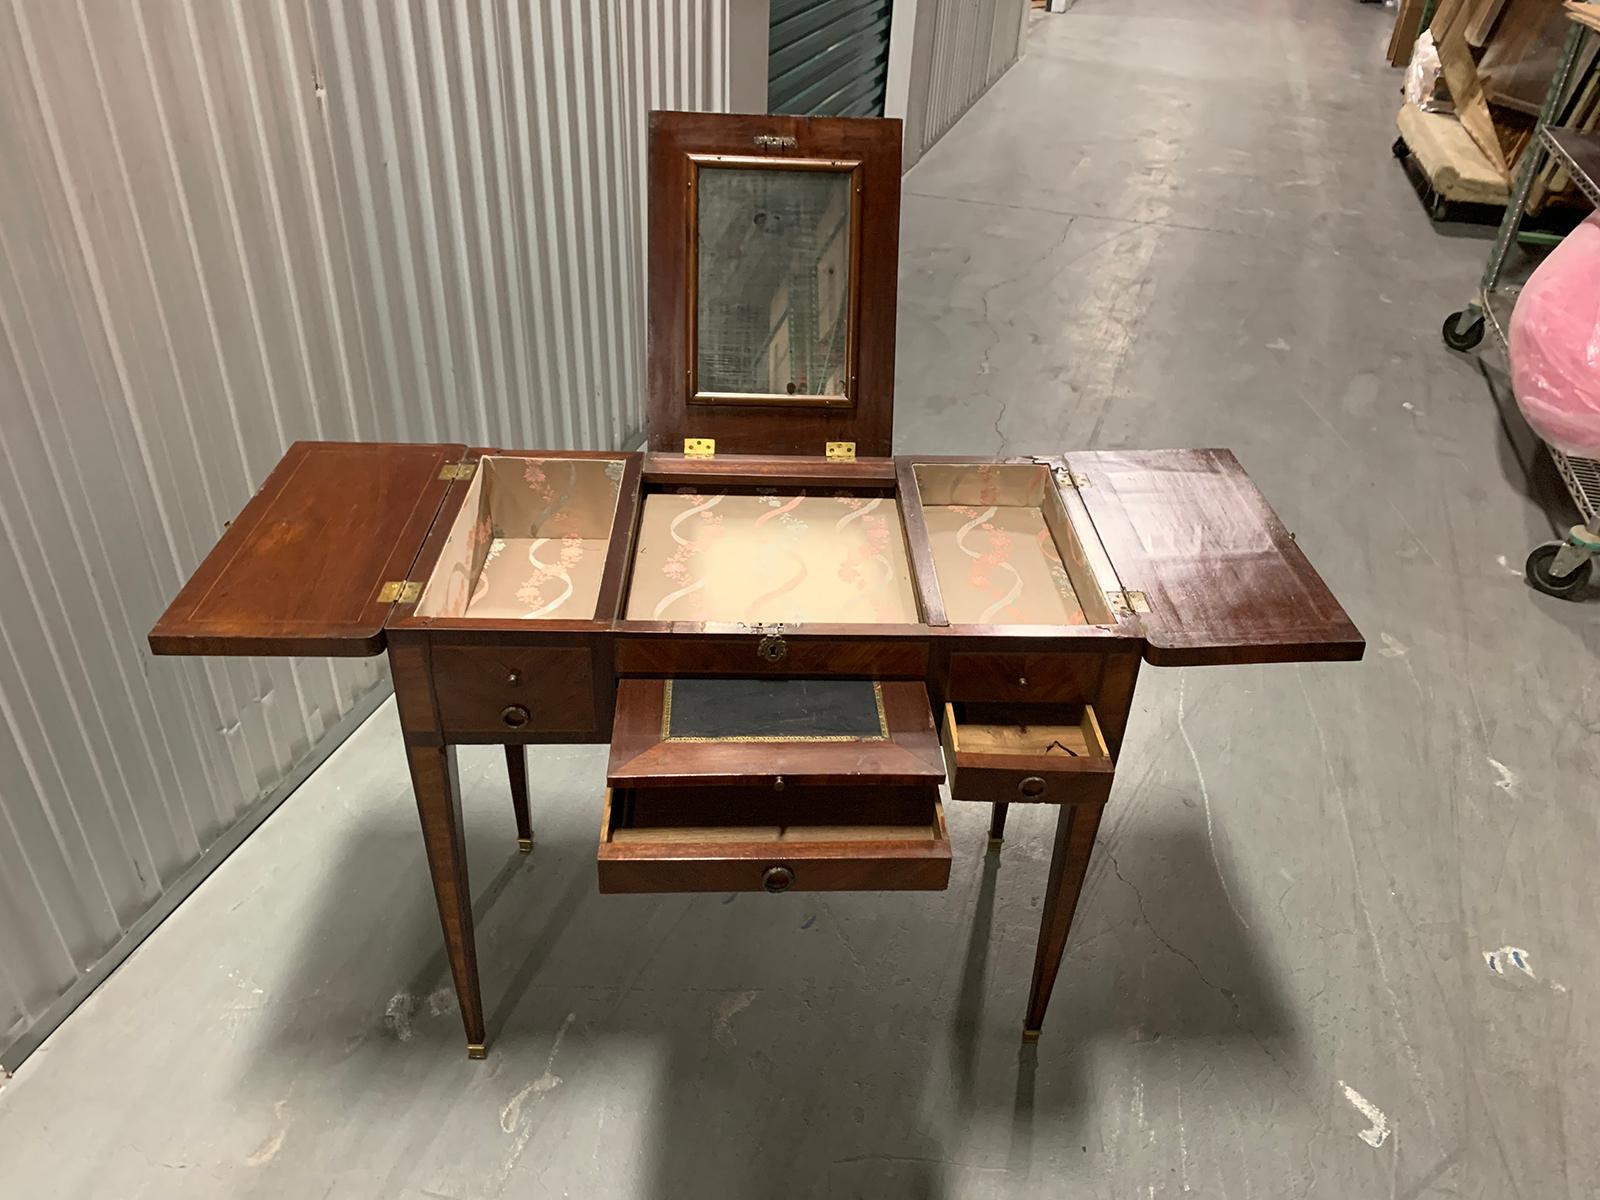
(851, 169)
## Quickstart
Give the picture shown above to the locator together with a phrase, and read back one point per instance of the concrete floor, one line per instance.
(1170, 225)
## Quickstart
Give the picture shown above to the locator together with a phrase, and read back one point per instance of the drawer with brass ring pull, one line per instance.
(1035, 753)
(486, 693)
(749, 840)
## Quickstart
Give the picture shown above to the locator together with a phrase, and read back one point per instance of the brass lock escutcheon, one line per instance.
(772, 648)
(777, 879)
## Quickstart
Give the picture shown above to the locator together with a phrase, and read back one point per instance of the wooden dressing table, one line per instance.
(790, 639)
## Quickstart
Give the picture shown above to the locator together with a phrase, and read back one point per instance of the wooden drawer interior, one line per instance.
(746, 839)
(1039, 753)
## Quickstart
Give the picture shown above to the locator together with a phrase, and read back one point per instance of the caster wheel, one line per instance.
(1537, 572)
(1400, 148)
(1458, 338)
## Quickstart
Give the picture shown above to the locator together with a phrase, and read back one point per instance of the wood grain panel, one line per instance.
(1225, 581)
(299, 570)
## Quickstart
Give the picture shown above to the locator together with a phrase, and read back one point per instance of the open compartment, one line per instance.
(529, 541)
(741, 839)
(771, 555)
(1045, 753)
(1003, 547)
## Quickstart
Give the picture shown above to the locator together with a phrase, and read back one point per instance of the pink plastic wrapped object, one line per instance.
(1555, 344)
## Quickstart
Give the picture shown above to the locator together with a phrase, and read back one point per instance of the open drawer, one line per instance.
(726, 785)
(751, 839)
(1043, 753)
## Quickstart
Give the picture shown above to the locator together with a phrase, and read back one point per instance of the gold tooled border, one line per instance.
(877, 696)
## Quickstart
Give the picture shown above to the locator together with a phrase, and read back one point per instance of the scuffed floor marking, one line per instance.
(1378, 1133)
(1510, 958)
(731, 1006)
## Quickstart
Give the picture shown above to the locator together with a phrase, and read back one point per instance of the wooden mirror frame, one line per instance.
(772, 424)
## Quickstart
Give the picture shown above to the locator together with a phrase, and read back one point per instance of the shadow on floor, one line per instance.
(875, 1047)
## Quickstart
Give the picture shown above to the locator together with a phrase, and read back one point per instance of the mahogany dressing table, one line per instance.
(789, 638)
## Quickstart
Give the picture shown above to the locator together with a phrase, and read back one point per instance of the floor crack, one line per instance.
(1138, 898)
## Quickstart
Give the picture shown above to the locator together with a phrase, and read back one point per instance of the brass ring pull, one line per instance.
(514, 715)
(777, 879)
(1032, 786)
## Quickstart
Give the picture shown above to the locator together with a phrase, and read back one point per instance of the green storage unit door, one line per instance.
(828, 57)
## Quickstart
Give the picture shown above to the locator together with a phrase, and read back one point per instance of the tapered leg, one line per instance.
(997, 825)
(1075, 830)
(517, 768)
(433, 778)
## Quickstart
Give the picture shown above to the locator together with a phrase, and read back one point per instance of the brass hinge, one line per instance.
(840, 451)
(699, 447)
(400, 591)
(1065, 478)
(464, 470)
(1126, 603)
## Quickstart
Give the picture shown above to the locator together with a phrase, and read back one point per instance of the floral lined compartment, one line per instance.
(993, 551)
(529, 542)
(763, 559)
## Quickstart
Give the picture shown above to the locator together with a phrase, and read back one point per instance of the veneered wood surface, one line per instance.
(640, 754)
(1076, 826)
(864, 657)
(1225, 580)
(766, 429)
(299, 570)
(475, 685)
(1030, 678)
(438, 795)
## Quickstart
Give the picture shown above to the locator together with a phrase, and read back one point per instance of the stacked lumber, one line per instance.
(1407, 28)
(1584, 13)
(1497, 58)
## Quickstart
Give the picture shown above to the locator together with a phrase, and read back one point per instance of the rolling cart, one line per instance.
(1558, 568)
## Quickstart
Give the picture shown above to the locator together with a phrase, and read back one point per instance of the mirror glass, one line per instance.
(773, 284)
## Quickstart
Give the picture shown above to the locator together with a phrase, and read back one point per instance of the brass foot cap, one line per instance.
(477, 1050)
(1031, 1035)
(995, 843)
(525, 845)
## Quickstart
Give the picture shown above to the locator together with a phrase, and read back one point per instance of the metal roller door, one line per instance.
(828, 58)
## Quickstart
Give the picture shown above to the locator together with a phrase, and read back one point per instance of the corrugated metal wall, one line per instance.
(974, 42)
(225, 225)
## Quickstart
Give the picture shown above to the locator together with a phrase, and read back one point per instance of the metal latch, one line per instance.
(699, 447)
(400, 591)
(464, 470)
(840, 451)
